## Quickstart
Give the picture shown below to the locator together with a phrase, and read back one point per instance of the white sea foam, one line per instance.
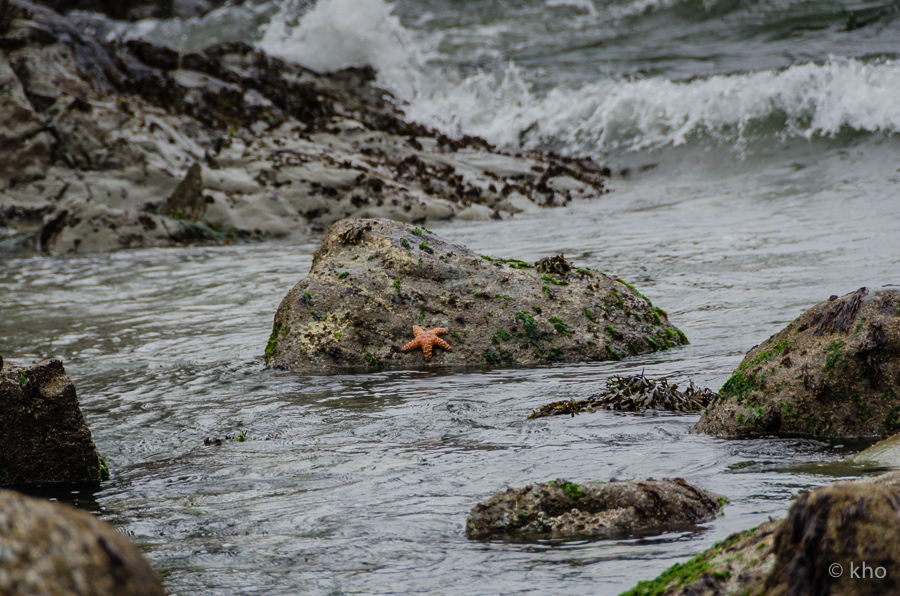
(805, 100)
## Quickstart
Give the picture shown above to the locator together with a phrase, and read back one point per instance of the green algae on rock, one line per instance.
(496, 310)
(820, 548)
(831, 374)
(562, 510)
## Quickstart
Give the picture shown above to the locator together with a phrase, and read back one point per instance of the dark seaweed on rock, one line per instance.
(633, 394)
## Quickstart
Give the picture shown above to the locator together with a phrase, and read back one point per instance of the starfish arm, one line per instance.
(412, 345)
(439, 342)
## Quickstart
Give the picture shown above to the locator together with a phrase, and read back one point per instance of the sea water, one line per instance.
(754, 153)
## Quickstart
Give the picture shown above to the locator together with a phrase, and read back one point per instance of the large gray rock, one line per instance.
(833, 373)
(242, 144)
(841, 540)
(55, 550)
(372, 280)
(45, 438)
(562, 510)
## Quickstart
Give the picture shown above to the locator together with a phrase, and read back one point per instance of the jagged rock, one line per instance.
(840, 540)
(45, 438)
(372, 280)
(564, 510)
(281, 149)
(833, 373)
(50, 548)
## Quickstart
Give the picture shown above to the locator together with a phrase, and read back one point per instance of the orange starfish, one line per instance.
(427, 339)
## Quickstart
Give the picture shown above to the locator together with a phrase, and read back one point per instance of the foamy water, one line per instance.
(503, 103)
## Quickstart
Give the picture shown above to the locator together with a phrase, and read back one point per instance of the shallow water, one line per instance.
(360, 484)
(760, 143)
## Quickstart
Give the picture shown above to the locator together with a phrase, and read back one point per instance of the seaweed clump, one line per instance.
(557, 265)
(633, 394)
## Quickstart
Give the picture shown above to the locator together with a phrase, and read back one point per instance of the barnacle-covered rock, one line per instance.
(833, 373)
(45, 438)
(563, 510)
(633, 394)
(357, 307)
(839, 540)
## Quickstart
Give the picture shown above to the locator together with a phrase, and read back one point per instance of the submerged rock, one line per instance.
(372, 280)
(224, 144)
(49, 548)
(833, 373)
(45, 438)
(633, 394)
(562, 510)
(840, 540)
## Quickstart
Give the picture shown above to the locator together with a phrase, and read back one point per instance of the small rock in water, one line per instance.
(562, 510)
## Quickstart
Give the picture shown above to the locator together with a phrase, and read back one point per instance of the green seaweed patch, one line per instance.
(589, 315)
(273, 341)
(483, 295)
(656, 317)
(739, 385)
(344, 275)
(635, 290)
(396, 285)
(531, 332)
(536, 309)
(573, 491)
(554, 281)
(104, 470)
(457, 337)
(487, 258)
(505, 297)
(555, 354)
(369, 358)
(682, 574)
(426, 248)
(499, 336)
(612, 352)
(653, 343)
(682, 337)
(501, 359)
(516, 263)
(546, 290)
(307, 300)
(418, 232)
(22, 378)
(584, 272)
(405, 244)
(612, 330)
(560, 326)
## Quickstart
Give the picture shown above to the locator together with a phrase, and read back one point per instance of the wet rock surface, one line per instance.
(229, 139)
(562, 510)
(819, 548)
(372, 280)
(633, 394)
(50, 548)
(45, 438)
(833, 374)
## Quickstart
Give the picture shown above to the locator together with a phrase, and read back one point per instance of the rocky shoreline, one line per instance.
(106, 146)
(123, 145)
